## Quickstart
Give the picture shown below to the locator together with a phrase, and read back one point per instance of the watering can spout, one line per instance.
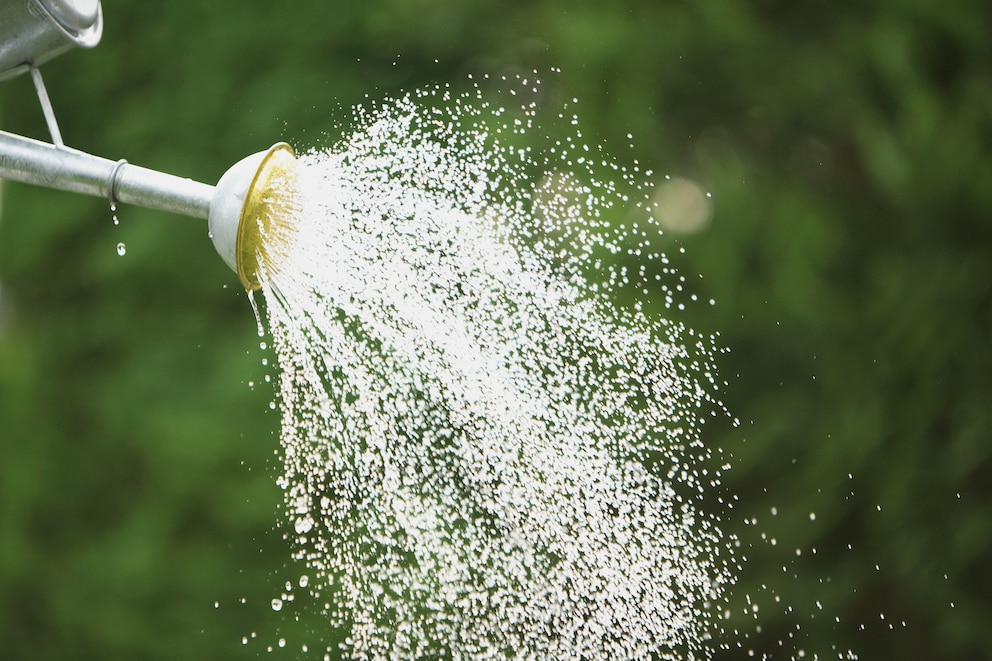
(248, 212)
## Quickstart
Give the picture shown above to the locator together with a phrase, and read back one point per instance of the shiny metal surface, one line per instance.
(39, 163)
(76, 16)
(35, 31)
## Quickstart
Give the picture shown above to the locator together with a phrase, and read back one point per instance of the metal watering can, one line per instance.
(248, 205)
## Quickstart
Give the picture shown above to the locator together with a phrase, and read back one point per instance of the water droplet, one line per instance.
(121, 248)
(258, 315)
(277, 604)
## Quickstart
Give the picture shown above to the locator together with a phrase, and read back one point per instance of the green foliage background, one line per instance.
(848, 147)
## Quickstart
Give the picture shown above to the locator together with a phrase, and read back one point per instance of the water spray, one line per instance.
(243, 208)
(482, 457)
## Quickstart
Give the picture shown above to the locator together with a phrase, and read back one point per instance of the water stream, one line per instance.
(491, 440)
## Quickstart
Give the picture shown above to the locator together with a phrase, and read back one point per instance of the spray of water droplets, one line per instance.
(484, 455)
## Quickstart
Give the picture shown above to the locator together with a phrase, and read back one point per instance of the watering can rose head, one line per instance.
(251, 213)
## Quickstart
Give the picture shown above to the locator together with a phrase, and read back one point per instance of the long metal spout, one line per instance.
(249, 211)
(42, 164)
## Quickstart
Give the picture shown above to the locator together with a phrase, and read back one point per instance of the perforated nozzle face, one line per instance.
(251, 213)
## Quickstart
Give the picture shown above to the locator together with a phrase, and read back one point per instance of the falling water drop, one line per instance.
(121, 249)
(258, 316)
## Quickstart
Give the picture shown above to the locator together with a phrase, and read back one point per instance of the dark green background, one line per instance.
(848, 147)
